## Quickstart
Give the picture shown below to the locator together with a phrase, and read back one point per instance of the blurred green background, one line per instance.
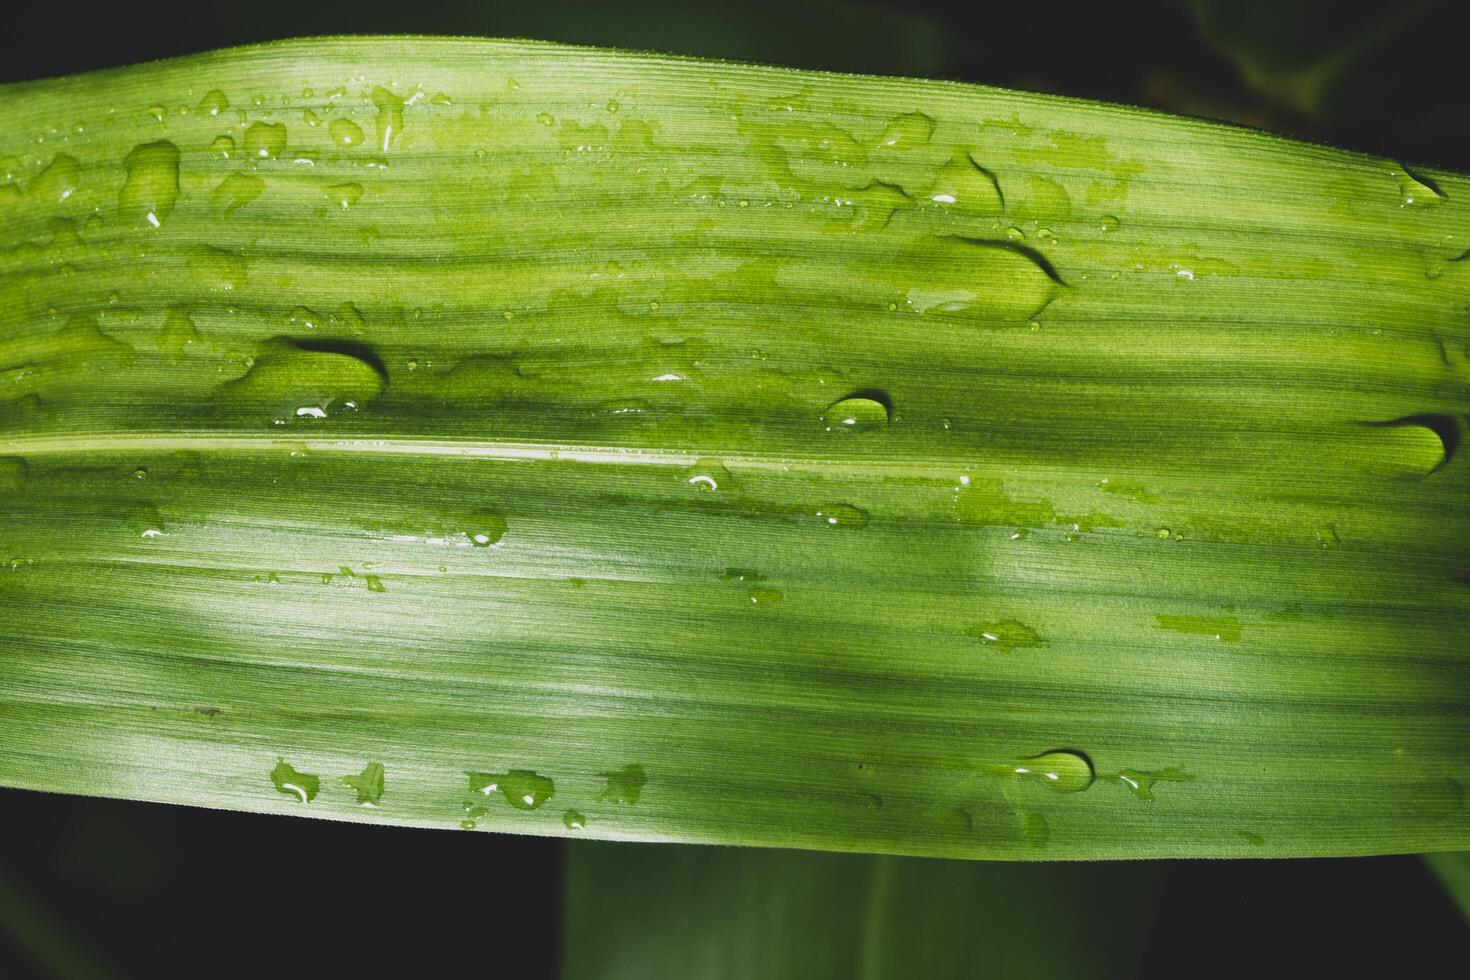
(99, 888)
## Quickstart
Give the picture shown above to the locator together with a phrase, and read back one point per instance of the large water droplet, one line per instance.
(58, 181)
(1412, 446)
(862, 411)
(213, 103)
(152, 185)
(521, 788)
(708, 474)
(964, 184)
(1006, 635)
(390, 116)
(368, 784)
(625, 785)
(1225, 628)
(995, 280)
(343, 195)
(265, 140)
(236, 191)
(1063, 770)
(291, 379)
(302, 785)
(908, 130)
(843, 515)
(345, 133)
(1141, 783)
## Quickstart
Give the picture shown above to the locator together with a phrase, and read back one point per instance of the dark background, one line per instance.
(158, 891)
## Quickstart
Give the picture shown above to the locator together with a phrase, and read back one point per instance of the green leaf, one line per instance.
(732, 913)
(1453, 869)
(702, 452)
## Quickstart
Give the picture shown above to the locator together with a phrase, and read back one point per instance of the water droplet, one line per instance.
(765, 597)
(13, 471)
(466, 825)
(573, 820)
(863, 411)
(290, 379)
(265, 140)
(1436, 798)
(486, 528)
(1035, 830)
(152, 185)
(1163, 534)
(964, 184)
(1108, 223)
(1063, 770)
(390, 116)
(1416, 190)
(345, 133)
(213, 103)
(301, 785)
(311, 118)
(223, 146)
(994, 280)
(343, 195)
(1006, 635)
(141, 473)
(1141, 783)
(624, 786)
(709, 474)
(546, 119)
(375, 584)
(521, 788)
(1413, 446)
(1254, 840)
(236, 191)
(843, 515)
(908, 130)
(58, 181)
(218, 269)
(1225, 628)
(368, 784)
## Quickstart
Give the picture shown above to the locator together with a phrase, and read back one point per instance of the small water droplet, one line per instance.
(223, 146)
(466, 825)
(863, 411)
(375, 584)
(573, 820)
(624, 785)
(521, 788)
(345, 133)
(311, 118)
(546, 119)
(368, 784)
(1254, 840)
(1063, 770)
(302, 785)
